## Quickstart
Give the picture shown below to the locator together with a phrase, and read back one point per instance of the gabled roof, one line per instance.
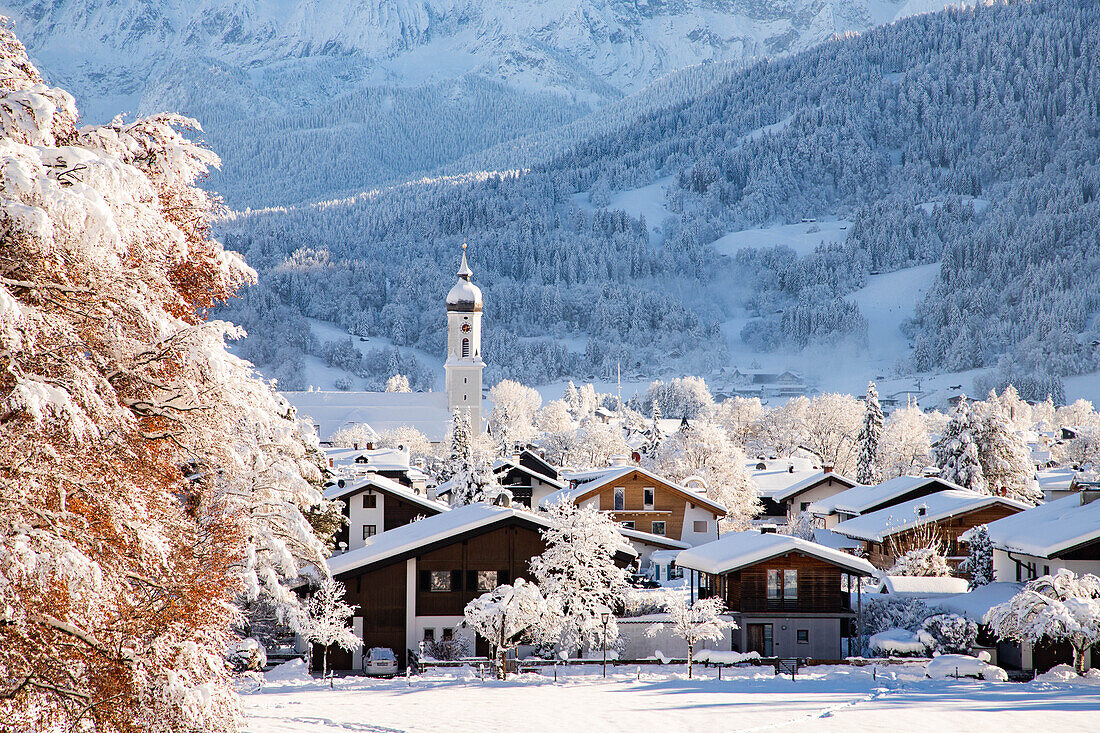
(860, 499)
(387, 486)
(411, 539)
(653, 539)
(777, 480)
(736, 550)
(507, 464)
(582, 491)
(810, 482)
(877, 526)
(1048, 529)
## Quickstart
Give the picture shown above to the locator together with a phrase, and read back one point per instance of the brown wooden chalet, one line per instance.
(374, 504)
(412, 583)
(643, 501)
(790, 597)
(944, 515)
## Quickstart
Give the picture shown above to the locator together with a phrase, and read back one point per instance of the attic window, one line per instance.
(921, 511)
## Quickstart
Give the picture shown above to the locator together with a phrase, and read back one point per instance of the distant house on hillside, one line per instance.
(788, 596)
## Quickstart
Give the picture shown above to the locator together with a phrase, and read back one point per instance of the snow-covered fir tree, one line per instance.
(507, 616)
(1059, 607)
(655, 435)
(1005, 457)
(694, 622)
(870, 439)
(956, 452)
(578, 575)
(328, 620)
(979, 562)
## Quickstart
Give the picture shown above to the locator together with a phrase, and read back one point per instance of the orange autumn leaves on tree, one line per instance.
(148, 479)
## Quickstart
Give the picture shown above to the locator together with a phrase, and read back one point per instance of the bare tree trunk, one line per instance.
(691, 656)
(1079, 659)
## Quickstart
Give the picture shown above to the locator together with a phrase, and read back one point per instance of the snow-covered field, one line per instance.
(803, 238)
(663, 699)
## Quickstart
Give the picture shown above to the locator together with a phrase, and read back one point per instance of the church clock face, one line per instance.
(465, 328)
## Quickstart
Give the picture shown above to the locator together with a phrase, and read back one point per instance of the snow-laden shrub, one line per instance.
(445, 650)
(948, 633)
(923, 562)
(897, 643)
(247, 655)
(980, 562)
(884, 612)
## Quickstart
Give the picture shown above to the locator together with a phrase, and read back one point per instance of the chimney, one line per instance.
(827, 468)
(620, 460)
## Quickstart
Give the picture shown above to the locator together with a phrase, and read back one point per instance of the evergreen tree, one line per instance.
(980, 562)
(956, 452)
(1005, 458)
(870, 436)
(655, 430)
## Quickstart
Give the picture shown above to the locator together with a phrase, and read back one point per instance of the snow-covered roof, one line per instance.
(1048, 529)
(428, 531)
(779, 480)
(860, 499)
(909, 586)
(876, 526)
(648, 538)
(332, 411)
(1056, 479)
(379, 459)
(581, 490)
(385, 485)
(810, 482)
(975, 605)
(735, 550)
(829, 538)
(508, 464)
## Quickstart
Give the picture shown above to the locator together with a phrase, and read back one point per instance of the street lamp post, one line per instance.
(605, 616)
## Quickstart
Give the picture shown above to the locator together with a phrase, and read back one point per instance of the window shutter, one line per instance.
(425, 580)
(456, 580)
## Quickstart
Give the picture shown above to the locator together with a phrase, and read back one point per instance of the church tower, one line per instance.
(464, 365)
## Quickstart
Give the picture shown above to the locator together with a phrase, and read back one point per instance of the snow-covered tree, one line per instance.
(870, 439)
(327, 620)
(468, 473)
(906, 447)
(948, 633)
(1005, 458)
(701, 620)
(1060, 607)
(398, 383)
(594, 444)
(554, 417)
(578, 575)
(1083, 450)
(159, 480)
(655, 435)
(513, 417)
(741, 418)
(703, 449)
(687, 397)
(359, 435)
(956, 452)
(979, 563)
(830, 425)
(507, 616)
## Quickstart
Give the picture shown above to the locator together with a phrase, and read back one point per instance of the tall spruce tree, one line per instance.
(956, 452)
(1005, 458)
(870, 437)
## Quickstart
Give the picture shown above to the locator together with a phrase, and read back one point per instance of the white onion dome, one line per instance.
(464, 296)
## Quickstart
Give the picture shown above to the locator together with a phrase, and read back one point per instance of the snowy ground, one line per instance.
(802, 238)
(663, 699)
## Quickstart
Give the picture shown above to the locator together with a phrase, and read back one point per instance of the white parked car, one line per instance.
(380, 662)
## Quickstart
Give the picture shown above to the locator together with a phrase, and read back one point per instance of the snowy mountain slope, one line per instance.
(335, 83)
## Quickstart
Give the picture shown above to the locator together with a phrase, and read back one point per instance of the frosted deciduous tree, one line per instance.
(870, 439)
(327, 620)
(741, 418)
(513, 417)
(1005, 458)
(1060, 607)
(956, 452)
(398, 383)
(830, 428)
(979, 562)
(148, 479)
(906, 446)
(554, 417)
(507, 616)
(948, 633)
(594, 444)
(355, 436)
(578, 575)
(924, 562)
(703, 449)
(694, 622)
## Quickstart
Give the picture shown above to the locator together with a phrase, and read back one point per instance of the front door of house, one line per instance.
(759, 639)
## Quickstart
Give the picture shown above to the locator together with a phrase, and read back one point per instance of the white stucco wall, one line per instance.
(358, 517)
(824, 491)
(1004, 567)
(688, 533)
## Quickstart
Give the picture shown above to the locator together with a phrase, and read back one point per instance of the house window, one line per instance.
(699, 525)
(782, 585)
(620, 499)
(429, 634)
(369, 530)
(647, 497)
(802, 636)
(803, 506)
(486, 580)
(629, 524)
(658, 528)
(440, 581)
(448, 634)
(370, 501)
